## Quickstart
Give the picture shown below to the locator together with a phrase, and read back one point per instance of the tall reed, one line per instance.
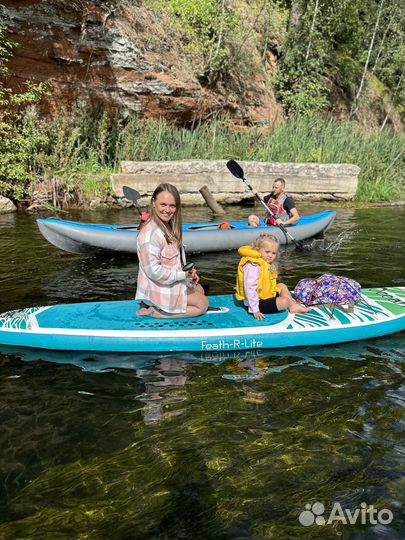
(381, 157)
(92, 145)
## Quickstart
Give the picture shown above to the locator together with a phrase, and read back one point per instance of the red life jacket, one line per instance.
(277, 210)
(145, 216)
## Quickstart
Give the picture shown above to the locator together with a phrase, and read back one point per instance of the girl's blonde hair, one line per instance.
(173, 231)
(265, 240)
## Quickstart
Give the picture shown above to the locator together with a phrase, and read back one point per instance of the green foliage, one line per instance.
(271, 25)
(381, 157)
(301, 87)
(22, 141)
(81, 138)
(21, 145)
(321, 52)
(11, 102)
(6, 47)
(328, 45)
(23, 153)
(72, 149)
(387, 58)
(80, 151)
(301, 139)
(325, 47)
(312, 52)
(210, 24)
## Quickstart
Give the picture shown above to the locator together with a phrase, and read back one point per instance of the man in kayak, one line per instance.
(281, 205)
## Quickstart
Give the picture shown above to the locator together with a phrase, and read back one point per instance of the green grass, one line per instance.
(86, 147)
(381, 157)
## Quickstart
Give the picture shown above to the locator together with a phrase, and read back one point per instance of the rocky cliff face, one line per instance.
(120, 57)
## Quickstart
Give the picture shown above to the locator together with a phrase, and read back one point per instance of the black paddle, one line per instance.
(132, 195)
(235, 169)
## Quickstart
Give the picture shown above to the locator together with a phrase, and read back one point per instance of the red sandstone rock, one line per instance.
(118, 58)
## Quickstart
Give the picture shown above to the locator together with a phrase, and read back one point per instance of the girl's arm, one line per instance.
(251, 281)
(150, 246)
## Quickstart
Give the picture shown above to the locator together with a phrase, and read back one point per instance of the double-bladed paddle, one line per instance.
(132, 195)
(235, 169)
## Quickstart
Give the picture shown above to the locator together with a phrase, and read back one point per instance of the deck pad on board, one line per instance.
(122, 316)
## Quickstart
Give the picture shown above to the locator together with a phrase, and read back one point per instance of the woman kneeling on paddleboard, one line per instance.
(256, 283)
(166, 290)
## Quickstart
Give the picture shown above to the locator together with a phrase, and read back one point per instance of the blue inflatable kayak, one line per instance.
(114, 326)
(93, 238)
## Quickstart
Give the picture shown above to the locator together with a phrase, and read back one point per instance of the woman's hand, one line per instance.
(259, 316)
(192, 278)
(195, 278)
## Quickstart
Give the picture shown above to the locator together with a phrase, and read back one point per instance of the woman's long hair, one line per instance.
(173, 230)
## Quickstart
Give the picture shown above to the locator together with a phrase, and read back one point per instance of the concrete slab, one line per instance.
(305, 181)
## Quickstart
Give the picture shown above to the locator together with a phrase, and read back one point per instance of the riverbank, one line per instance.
(69, 161)
(97, 203)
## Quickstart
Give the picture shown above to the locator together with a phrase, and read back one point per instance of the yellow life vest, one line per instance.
(267, 285)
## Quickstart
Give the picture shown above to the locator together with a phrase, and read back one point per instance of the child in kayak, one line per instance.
(256, 282)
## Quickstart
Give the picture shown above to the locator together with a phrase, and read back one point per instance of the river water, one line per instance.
(126, 447)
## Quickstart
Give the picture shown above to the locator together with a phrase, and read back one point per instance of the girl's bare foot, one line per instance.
(299, 308)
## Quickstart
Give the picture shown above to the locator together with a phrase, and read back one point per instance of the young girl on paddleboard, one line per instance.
(256, 282)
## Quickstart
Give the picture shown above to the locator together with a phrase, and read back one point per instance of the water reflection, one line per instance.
(144, 443)
(256, 369)
(92, 279)
(99, 362)
(152, 449)
(164, 389)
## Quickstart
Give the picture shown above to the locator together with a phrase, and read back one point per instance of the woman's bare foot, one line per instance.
(149, 312)
(143, 312)
(153, 312)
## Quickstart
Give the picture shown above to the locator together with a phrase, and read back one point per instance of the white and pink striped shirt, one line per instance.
(161, 280)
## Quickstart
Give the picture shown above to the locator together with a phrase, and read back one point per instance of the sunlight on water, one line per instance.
(174, 448)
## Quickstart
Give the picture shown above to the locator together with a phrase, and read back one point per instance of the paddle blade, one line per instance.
(235, 169)
(131, 194)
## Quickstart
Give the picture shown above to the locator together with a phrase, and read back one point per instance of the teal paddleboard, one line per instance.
(114, 326)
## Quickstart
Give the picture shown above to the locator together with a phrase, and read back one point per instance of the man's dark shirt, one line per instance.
(288, 203)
